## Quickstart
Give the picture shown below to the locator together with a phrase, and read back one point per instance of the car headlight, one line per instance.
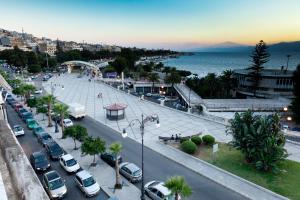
(38, 168)
(48, 165)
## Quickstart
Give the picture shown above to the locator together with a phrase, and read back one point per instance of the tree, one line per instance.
(172, 79)
(76, 132)
(34, 68)
(154, 78)
(116, 149)
(295, 105)
(41, 108)
(62, 111)
(259, 57)
(178, 187)
(227, 82)
(93, 146)
(27, 90)
(49, 101)
(119, 64)
(259, 138)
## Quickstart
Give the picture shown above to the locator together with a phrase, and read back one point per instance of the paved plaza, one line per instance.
(82, 91)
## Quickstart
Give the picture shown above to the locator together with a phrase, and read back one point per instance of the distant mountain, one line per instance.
(287, 47)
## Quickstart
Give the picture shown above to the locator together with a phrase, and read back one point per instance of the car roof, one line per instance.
(132, 167)
(160, 186)
(38, 153)
(52, 175)
(67, 157)
(17, 125)
(83, 174)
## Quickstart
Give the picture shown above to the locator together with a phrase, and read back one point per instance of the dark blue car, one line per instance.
(26, 115)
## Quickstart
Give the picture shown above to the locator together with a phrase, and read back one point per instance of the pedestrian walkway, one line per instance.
(3, 195)
(188, 95)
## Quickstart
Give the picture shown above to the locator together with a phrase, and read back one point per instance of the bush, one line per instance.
(182, 140)
(208, 140)
(196, 139)
(34, 69)
(189, 147)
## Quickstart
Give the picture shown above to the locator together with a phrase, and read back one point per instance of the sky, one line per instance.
(175, 24)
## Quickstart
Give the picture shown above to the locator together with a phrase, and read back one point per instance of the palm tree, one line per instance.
(154, 78)
(227, 82)
(173, 78)
(49, 100)
(27, 90)
(178, 186)
(62, 111)
(116, 149)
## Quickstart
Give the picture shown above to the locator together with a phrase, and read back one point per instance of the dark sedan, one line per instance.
(39, 161)
(110, 158)
(44, 138)
(54, 150)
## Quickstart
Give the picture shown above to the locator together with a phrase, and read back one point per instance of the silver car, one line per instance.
(54, 185)
(156, 190)
(87, 184)
(130, 171)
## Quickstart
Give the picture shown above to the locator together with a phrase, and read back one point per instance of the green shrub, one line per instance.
(189, 147)
(182, 140)
(197, 139)
(208, 140)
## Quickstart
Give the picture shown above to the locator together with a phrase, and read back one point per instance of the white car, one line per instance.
(54, 185)
(157, 191)
(67, 123)
(40, 91)
(87, 184)
(69, 163)
(18, 130)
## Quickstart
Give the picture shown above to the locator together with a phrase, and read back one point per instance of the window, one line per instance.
(159, 194)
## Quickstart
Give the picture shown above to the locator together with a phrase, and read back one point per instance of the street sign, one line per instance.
(215, 148)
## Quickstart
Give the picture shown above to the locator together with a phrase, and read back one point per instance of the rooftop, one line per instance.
(269, 72)
(116, 106)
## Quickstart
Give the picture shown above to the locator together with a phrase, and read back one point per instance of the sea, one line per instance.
(202, 63)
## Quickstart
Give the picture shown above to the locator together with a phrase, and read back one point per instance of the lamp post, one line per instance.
(142, 128)
(52, 93)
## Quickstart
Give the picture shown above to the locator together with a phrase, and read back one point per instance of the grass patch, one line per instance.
(285, 183)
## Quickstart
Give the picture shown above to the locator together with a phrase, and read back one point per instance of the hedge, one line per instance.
(189, 147)
(208, 140)
(196, 139)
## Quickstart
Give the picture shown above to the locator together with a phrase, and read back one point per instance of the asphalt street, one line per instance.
(158, 167)
(30, 144)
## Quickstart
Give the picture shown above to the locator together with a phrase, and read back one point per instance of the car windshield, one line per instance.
(38, 129)
(57, 183)
(71, 162)
(56, 149)
(46, 137)
(40, 159)
(137, 172)
(31, 122)
(18, 128)
(89, 181)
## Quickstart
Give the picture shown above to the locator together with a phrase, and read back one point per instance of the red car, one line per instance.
(18, 106)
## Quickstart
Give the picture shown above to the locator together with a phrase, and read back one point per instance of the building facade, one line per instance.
(48, 48)
(274, 83)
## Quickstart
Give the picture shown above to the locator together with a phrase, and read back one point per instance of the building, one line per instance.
(274, 83)
(5, 41)
(17, 41)
(49, 48)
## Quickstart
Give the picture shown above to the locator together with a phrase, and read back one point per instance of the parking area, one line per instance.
(30, 144)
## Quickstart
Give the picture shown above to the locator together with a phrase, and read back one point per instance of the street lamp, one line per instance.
(285, 109)
(289, 118)
(142, 122)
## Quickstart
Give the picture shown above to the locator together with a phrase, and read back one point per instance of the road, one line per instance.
(29, 144)
(158, 167)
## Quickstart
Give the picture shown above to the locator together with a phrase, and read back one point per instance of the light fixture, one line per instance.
(285, 109)
(289, 118)
(124, 133)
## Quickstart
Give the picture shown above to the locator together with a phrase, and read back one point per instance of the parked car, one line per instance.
(54, 185)
(39, 161)
(38, 130)
(67, 123)
(40, 91)
(130, 171)
(54, 150)
(157, 191)
(18, 106)
(11, 101)
(31, 123)
(69, 163)
(46, 78)
(87, 184)
(44, 138)
(18, 130)
(21, 111)
(26, 115)
(110, 159)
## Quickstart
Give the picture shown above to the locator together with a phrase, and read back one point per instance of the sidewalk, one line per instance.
(103, 173)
